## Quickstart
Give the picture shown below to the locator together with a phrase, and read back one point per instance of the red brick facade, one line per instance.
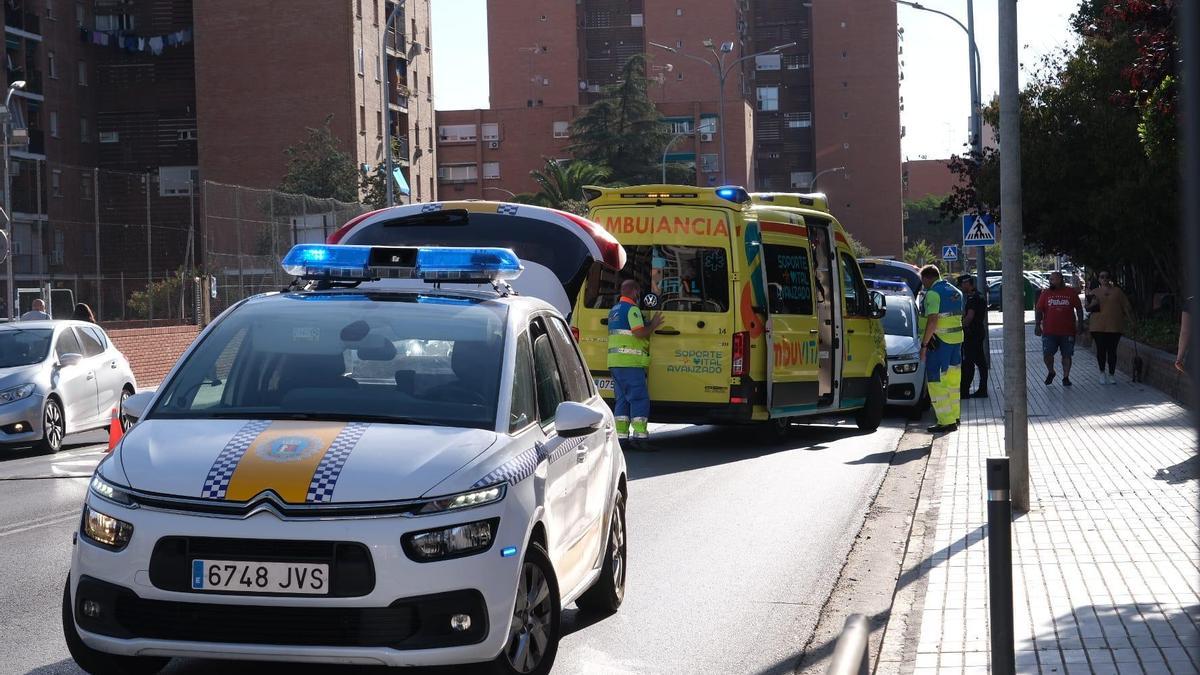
(152, 352)
(928, 177)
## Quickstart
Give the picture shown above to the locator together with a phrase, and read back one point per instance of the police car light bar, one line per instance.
(331, 262)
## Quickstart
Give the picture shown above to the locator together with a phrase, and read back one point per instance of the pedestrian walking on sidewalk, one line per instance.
(1055, 322)
(941, 346)
(628, 358)
(975, 339)
(1110, 312)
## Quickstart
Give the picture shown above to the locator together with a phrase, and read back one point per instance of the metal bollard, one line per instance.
(850, 656)
(1000, 566)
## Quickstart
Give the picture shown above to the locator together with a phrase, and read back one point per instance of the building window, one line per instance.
(52, 64)
(768, 61)
(802, 179)
(457, 173)
(110, 137)
(375, 12)
(637, 20)
(491, 132)
(679, 11)
(80, 15)
(358, 8)
(85, 131)
(379, 122)
(709, 163)
(85, 184)
(768, 98)
(60, 243)
(491, 170)
(456, 133)
(185, 135)
(83, 78)
(562, 129)
(362, 67)
(110, 23)
(53, 124)
(800, 120)
(176, 181)
(362, 119)
(428, 132)
(56, 183)
(680, 126)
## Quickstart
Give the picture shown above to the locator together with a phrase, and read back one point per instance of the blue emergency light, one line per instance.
(330, 262)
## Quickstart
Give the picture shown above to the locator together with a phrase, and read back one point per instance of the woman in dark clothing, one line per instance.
(1110, 314)
(83, 313)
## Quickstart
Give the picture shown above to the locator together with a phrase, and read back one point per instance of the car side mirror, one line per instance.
(71, 359)
(878, 305)
(135, 406)
(573, 419)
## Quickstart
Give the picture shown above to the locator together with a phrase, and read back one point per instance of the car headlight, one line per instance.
(108, 491)
(106, 530)
(464, 500)
(16, 393)
(905, 368)
(450, 542)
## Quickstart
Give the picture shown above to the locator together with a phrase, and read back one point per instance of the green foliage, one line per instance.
(561, 184)
(921, 254)
(317, 167)
(924, 220)
(374, 184)
(165, 296)
(857, 248)
(623, 130)
(1161, 331)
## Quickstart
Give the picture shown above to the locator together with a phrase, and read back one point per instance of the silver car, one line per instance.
(906, 370)
(58, 378)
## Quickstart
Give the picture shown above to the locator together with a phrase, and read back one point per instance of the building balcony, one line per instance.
(26, 21)
(395, 41)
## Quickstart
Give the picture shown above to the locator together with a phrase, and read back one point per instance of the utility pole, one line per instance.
(1016, 411)
(386, 86)
(1189, 35)
(976, 140)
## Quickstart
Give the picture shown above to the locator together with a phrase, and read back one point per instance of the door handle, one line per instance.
(849, 330)
(581, 454)
(91, 375)
(812, 331)
(604, 321)
(666, 331)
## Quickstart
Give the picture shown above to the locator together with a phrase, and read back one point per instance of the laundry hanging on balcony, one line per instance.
(136, 44)
(401, 183)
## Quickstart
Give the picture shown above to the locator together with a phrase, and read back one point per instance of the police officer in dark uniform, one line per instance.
(975, 339)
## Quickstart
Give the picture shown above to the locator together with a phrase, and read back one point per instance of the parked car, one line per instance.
(58, 378)
(906, 370)
(883, 269)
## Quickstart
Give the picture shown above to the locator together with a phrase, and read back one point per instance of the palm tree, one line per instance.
(561, 184)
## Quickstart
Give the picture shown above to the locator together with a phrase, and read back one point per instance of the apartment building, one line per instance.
(811, 96)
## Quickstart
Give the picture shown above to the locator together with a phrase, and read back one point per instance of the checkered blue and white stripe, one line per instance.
(431, 208)
(523, 465)
(217, 481)
(507, 209)
(325, 478)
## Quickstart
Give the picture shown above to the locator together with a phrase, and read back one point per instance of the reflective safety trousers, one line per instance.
(943, 372)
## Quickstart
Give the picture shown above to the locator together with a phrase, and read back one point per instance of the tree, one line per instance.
(374, 184)
(857, 249)
(317, 167)
(924, 219)
(623, 130)
(562, 183)
(921, 254)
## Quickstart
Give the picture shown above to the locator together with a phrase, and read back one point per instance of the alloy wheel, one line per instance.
(618, 550)
(53, 426)
(125, 424)
(529, 635)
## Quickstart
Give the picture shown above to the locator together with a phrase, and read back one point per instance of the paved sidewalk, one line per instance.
(1106, 568)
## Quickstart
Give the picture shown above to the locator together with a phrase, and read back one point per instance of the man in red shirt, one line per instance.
(1055, 315)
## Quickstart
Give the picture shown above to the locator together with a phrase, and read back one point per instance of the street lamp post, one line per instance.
(10, 302)
(510, 193)
(385, 85)
(722, 70)
(671, 142)
(976, 130)
(812, 184)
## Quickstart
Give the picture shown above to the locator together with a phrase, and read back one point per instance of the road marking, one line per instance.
(54, 519)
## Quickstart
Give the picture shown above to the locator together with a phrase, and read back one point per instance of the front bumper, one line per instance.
(28, 414)
(905, 389)
(400, 617)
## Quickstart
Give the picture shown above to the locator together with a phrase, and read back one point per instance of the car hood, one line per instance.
(12, 377)
(302, 462)
(900, 344)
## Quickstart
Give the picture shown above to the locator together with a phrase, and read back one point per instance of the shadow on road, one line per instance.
(893, 458)
(698, 447)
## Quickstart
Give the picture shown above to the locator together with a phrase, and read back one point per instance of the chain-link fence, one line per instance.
(143, 248)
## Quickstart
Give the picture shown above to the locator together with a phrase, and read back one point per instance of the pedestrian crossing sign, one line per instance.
(978, 230)
(950, 253)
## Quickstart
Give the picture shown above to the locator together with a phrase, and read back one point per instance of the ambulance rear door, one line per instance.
(681, 256)
(792, 324)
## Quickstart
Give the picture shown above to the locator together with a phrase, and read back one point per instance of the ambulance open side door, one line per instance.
(792, 323)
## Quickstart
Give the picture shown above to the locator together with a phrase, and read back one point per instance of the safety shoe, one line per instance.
(982, 393)
(942, 428)
(622, 424)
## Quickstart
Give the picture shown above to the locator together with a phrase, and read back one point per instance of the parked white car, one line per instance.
(906, 370)
(58, 378)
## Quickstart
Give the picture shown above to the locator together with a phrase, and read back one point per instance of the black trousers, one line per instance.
(1106, 350)
(975, 356)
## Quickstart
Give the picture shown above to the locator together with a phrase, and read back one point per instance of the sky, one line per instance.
(935, 86)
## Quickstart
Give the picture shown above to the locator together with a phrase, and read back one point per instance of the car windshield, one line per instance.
(899, 319)
(346, 356)
(24, 346)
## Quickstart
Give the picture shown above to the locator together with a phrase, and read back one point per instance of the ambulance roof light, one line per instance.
(329, 262)
(733, 194)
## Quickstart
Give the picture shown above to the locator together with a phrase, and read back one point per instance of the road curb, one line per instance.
(875, 579)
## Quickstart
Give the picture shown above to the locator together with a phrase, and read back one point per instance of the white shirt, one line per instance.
(34, 315)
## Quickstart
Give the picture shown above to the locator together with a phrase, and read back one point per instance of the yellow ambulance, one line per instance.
(767, 317)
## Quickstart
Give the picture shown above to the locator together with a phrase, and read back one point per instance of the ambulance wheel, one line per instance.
(97, 662)
(871, 415)
(775, 429)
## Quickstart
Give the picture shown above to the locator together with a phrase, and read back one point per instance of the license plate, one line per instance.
(260, 577)
(604, 383)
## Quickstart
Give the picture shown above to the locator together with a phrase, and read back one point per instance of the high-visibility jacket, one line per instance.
(945, 302)
(626, 350)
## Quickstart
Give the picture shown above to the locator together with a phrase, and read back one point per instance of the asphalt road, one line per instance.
(734, 546)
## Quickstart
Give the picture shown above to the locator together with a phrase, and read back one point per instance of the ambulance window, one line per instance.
(523, 408)
(685, 278)
(789, 281)
(853, 288)
(570, 365)
(549, 384)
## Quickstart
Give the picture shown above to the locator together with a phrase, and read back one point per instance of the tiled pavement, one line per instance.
(1106, 565)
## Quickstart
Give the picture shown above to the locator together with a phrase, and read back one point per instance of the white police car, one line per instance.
(355, 474)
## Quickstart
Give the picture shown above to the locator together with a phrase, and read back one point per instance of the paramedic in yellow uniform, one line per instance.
(628, 358)
(941, 346)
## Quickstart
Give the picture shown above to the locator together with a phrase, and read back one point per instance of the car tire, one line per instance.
(54, 427)
(775, 430)
(97, 662)
(922, 404)
(124, 419)
(871, 415)
(608, 592)
(543, 618)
